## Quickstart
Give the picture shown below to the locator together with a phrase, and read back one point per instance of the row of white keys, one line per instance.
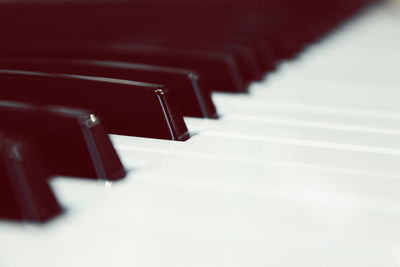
(279, 180)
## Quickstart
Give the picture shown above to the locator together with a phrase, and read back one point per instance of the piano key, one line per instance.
(324, 118)
(247, 63)
(340, 99)
(263, 55)
(280, 44)
(24, 192)
(262, 50)
(289, 106)
(292, 178)
(177, 168)
(72, 141)
(283, 180)
(358, 138)
(126, 107)
(369, 78)
(262, 28)
(261, 149)
(192, 99)
(217, 70)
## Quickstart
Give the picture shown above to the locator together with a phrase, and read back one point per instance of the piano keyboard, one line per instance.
(301, 171)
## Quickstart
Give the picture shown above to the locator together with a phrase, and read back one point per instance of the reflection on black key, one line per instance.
(24, 192)
(183, 84)
(126, 107)
(72, 141)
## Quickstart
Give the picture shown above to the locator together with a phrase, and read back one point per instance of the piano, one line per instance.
(301, 170)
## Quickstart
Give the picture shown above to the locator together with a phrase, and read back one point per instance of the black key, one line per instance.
(24, 192)
(265, 60)
(126, 107)
(218, 71)
(72, 141)
(244, 56)
(183, 84)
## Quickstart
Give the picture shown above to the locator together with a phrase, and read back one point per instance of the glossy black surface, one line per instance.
(183, 84)
(126, 107)
(24, 192)
(243, 55)
(72, 141)
(287, 25)
(218, 70)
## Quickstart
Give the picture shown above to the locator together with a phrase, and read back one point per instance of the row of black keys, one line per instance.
(76, 72)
